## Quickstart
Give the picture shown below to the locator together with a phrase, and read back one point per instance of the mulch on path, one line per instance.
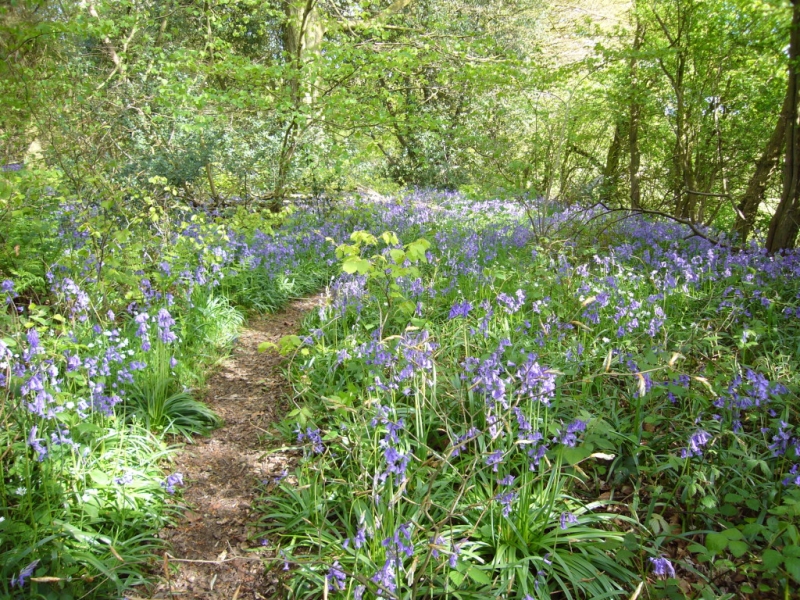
(213, 546)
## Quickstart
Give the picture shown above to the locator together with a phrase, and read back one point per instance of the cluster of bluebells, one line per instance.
(312, 436)
(696, 443)
(395, 457)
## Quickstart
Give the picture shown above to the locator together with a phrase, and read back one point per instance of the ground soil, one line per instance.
(214, 551)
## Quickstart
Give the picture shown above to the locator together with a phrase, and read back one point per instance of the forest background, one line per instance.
(675, 106)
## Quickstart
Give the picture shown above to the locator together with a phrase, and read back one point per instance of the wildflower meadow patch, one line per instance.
(486, 406)
(607, 408)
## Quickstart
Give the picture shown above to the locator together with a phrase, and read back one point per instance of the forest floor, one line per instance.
(214, 546)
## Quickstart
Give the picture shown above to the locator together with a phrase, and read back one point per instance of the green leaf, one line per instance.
(716, 542)
(398, 256)
(732, 534)
(99, 477)
(390, 238)
(356, 265)
(793, 567)
(573, 455)
(479, 576)
(456, 577)
(738, 548)
(771, 559)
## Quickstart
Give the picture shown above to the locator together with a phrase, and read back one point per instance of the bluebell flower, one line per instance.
(24, 574)
(171, 481)
(506, 500)
(34, 443)
(336, 577)
(567, 518)
(360, 537)
(460, 309)
(696, 442)
(494, 459)
(662, 567)
(125, 479)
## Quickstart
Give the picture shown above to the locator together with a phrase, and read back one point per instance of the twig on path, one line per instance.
(212, 562)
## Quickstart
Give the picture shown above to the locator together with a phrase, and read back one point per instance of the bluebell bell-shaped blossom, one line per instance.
(662, 567)
(696, 442)
(567, 519)
(460, 310)
(494, 460)
(336, 577)
(35, 443)
(24, 574)
(506, 499)
(171, 481)
(460, 443)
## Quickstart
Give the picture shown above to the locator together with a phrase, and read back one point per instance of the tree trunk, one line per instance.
(785, 222)
(766, 165)
(302, 35)
(611, 168)
(634, 116)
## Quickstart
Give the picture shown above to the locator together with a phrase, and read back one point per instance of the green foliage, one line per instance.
(157, 400)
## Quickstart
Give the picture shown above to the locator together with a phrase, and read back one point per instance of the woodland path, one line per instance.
(213, 545)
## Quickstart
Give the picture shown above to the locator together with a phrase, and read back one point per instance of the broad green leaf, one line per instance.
(793, 567)
(771, 559)
(738, 548)
(716, 542)
(356, 265)
(398, 256)
(732, 534)
(456, 577)
(479, 576)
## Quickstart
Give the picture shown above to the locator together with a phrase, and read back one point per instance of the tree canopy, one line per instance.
(682, 107)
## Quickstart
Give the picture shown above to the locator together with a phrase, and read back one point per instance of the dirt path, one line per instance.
(216, 557)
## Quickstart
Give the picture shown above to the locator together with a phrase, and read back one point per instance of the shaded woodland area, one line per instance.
(676, 106)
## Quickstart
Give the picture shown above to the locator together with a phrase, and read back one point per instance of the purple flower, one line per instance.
(7, 286)
(171, 481)
(512, 304)
(34, 443)
(461, 441)
(360, 538)
(435, 543)
(126, 478)
(696, 441)
(385, 577)
(454, 552)
(567, 518)
(494, 459)
(164, 319)
(19, 580)
(460, 309)
(73, 362)
(662, 567)
(336, 577)
(570, 437)
(314, 436)
(506, 500)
